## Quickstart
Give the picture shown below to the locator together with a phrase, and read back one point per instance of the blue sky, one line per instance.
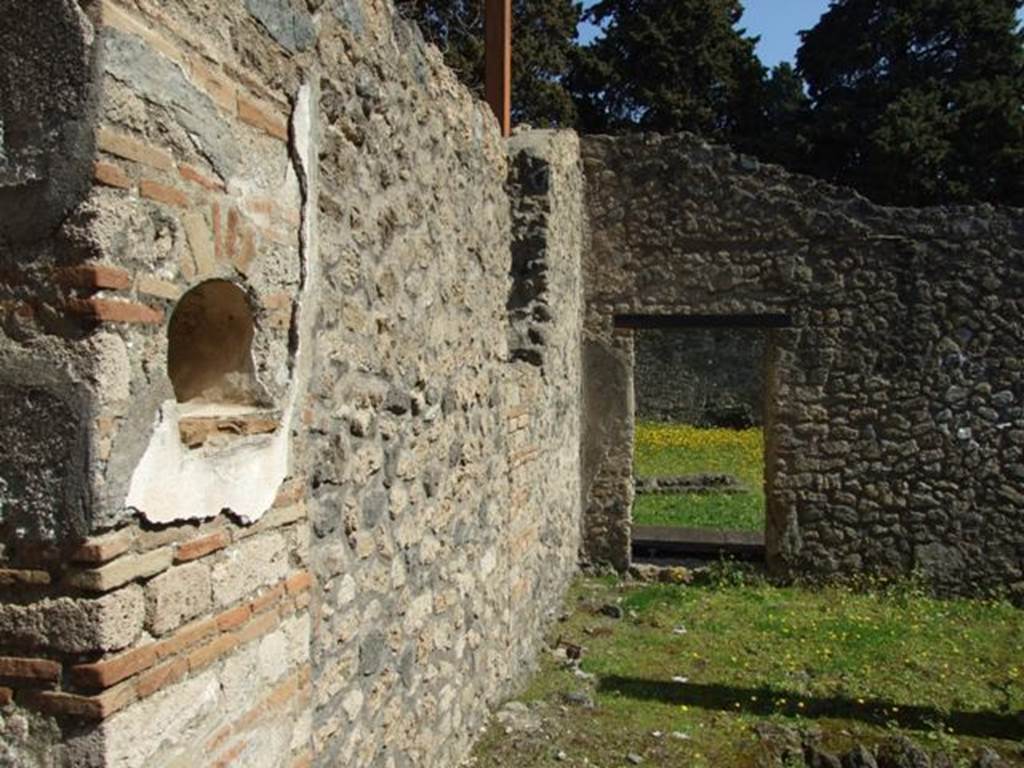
(776, 21)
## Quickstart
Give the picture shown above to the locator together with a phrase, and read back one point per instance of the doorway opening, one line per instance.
(701, 394)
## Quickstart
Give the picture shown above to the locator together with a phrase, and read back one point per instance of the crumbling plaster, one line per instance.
(428, 522)
(172, 482)
(435, 323)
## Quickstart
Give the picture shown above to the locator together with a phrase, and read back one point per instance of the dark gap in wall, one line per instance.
(527, 305)
(209, 350)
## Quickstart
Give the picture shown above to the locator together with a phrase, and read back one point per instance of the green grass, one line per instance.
(712, 511)
(858, 666)
(665, 450)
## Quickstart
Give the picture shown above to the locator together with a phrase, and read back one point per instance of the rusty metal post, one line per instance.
(498, 80)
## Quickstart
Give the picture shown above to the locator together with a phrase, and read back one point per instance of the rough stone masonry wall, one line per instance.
(549, 235)
(895, 410)
(710, 377)
(344, 569)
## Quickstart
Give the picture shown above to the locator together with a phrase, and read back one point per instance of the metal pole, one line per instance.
(498, 80)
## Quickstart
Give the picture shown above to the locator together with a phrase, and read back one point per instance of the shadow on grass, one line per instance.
(769, 701)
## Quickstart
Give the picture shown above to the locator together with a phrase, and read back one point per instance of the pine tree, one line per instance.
(670, 65)
(784, 138)
(544, 35)
(919, 101)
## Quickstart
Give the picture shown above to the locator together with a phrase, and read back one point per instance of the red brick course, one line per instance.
(112, 311)
(167, 674)
(31, 670)
(142, 671)
(129, 148)
(262, 116)
(204, 545)
(162, 193)
(110, 175)
(189, 173)
(97, 707)
(103, 548)
(107, 673)
(94, 277)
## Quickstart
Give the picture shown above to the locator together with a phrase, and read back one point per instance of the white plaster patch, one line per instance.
(172, 483)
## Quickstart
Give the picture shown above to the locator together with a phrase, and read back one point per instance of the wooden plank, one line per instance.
(663, 322)
(498, 67)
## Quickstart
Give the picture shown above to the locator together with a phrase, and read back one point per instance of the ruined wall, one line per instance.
(353, 535)
(549, 235)
(896, 401)
(711, 377)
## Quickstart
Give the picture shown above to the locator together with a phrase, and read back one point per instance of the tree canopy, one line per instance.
(912, 102)
(918, 101)
(544, 32)
(669, 65)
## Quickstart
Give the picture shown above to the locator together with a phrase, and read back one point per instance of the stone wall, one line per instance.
(710, 377)
(345, 540)
(549, 235)
(895, 394)
(349, 543)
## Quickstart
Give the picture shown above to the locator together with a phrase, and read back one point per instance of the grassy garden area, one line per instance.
(664, 450)
(690, 675)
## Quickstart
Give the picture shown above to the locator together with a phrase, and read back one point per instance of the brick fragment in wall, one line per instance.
(114, 311)
(108, 673)
(29, 670)
(259, 626)
(11, 577)
(132, 61)
(189, 173)
(130, 148)
(220, 87)
(155, 286)
(96, 707)
(262, 116)
(100, 549)
(111, 176)
(163, 193)
(218, 233)
(200, 240)
(121, 571)
(94, 276)
(277, 517)
(201, 546)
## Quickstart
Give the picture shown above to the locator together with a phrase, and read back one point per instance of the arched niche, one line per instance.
(209, 355)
